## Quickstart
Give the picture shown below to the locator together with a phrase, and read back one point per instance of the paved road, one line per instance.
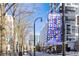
(46, 54)
(60, 54)
(72, 53)
(43, 54)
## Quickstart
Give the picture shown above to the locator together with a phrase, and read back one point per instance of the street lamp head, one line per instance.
(37, 19)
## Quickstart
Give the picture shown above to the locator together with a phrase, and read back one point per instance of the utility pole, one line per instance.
(63, 29)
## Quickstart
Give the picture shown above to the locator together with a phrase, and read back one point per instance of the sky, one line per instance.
(39, 10)
(44, 14)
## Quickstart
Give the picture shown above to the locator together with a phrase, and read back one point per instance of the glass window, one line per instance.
(68, 29)
(69, 18)
(67, 38)
(73, 29)
(78, 29)
(78, 20)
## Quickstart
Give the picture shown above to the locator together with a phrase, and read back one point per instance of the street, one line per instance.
(60, 54)
(71, 53)
(53, 29)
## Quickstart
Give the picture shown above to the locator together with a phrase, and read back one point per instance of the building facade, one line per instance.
(30, 39)
(71, 26)
(9, 31)
(54, 25)
(43, 36)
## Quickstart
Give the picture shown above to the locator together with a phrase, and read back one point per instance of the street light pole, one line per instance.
(34, 32)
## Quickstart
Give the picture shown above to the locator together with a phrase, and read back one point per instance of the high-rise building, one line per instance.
(9, 26)
(9, 30)
(54, 25)
(71, 26)
(30, 39)
(43, 35)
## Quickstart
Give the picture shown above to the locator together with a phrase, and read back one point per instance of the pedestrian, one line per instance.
(49, 50)
(20, 53)
(43, 49)
(30, 52)
(53, 50)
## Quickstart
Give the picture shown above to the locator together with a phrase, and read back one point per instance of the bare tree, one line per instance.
(21, 25)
